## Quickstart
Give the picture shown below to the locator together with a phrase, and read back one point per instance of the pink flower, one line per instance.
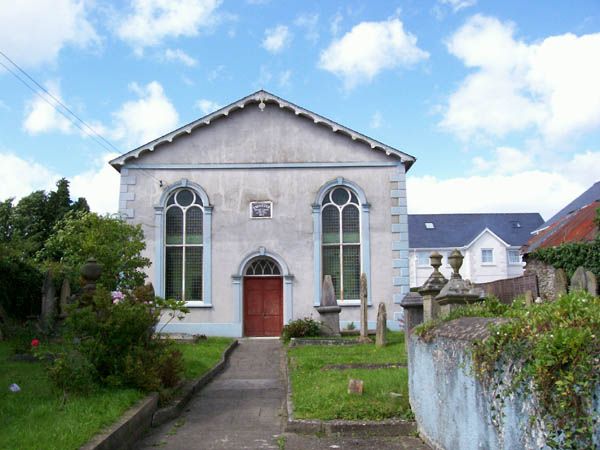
(117, 296)
(35, 343)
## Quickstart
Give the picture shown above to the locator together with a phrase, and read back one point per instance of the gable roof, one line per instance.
(579, 226)
(459, 230)
(261, 97)
(589, 196)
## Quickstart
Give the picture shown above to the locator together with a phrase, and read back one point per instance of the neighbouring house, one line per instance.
(246, 209)
(490, 244)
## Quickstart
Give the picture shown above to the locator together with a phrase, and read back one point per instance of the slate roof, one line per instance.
(458, 230)
(589, 196)
(261, 98)
(579, 226)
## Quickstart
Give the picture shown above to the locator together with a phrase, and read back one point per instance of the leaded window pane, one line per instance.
(351, 265)
(340, 196)
(350, 224)
(331, 266)
(193, 273)
(174, 226)
(174, 272)
(331, 225)
(185, 197)
(193, 226)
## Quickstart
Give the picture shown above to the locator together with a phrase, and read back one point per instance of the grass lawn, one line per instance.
(323, 394)
(35, 418)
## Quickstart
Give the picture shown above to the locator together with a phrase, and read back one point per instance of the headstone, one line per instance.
(578, 280)
(329, 309)
(560, 282)
(355, 386)
(592, 283)
(528, 298)
(381, 332)
(65, 295)
(364, 316)
(48, 299)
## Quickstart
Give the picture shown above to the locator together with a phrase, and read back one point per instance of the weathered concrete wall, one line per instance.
(257, 138)
(455, 411)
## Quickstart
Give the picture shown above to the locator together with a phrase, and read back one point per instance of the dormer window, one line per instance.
(429, 225)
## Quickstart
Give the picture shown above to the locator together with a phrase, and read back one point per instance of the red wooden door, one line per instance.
(263, 306)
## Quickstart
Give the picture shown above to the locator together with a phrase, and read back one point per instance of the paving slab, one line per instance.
(243, 408)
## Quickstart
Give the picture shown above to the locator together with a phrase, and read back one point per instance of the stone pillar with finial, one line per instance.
(432, 287)
(456, 292)
(90, 273)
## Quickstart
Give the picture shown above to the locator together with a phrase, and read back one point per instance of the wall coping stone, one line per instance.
(466, 328)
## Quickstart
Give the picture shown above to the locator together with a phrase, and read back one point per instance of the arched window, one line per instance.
(184, 245)
(341, 241)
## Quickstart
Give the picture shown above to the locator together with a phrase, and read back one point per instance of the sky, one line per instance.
(499, 101)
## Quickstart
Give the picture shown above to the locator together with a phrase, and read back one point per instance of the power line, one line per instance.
(93, 134)
(97, 137)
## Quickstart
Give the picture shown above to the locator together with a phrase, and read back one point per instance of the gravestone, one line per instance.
(329, 309)
(561, 282)
(65, 295)
(48, 299)
(592, 283)
(381, 332)
(578, 280)
(364, 316)
(355, 386)
(528, 298)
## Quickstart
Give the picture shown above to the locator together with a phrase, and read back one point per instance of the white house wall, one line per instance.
(253, 155)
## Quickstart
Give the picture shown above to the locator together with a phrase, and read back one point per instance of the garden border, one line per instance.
(349, 428)
(134, 423)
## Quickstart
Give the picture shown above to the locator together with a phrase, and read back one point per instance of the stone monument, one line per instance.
(48, 299)
(592, 283)
(456, 292)
(364, 315)
(65, 296)
(381, 332)
(329, 309)
(90, 273)
(432, 287)
(561, 282)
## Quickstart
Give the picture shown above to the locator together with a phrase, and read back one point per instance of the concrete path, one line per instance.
(242, 408)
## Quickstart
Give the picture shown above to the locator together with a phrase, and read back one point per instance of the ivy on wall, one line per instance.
(572, 255)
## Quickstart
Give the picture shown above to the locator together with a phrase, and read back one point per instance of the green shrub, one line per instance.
(301, 328)
(115, 333)
(571, 256)
(71, 371)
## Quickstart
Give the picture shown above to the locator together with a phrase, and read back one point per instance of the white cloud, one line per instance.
(550, 86)
(40, 115)
(457, 5)
(511, 181)
(369, 48)
(33, 32)
(309, 23)
(207, 106)
(276, 39)
(21, 177)
(147, 118)
(178, 55)
(99, 185)
(152, 21)
(376, 120)
(285, 78)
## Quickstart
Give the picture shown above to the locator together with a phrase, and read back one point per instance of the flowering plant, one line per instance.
(35, 343)
(117, 297)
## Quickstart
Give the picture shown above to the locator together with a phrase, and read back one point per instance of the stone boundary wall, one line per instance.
(507, 290)
(546, 277)
(455, 411)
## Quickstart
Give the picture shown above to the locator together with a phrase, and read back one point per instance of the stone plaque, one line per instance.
(261, 210)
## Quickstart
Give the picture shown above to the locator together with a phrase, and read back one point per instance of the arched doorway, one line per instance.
(263, 298)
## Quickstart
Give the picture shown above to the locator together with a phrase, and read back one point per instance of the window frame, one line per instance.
(160, 247)
(513, 251)
(487, 263)
(341, 244)
(420, 253)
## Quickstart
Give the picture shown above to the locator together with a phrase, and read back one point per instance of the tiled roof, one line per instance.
(579, 226)
(589, 196)
(458, 230)
(261, 98)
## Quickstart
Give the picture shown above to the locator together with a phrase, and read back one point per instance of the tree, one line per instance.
(114, 243)
(6, 216)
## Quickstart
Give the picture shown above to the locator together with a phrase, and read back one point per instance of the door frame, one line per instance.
(237, 281)
(280, 299)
